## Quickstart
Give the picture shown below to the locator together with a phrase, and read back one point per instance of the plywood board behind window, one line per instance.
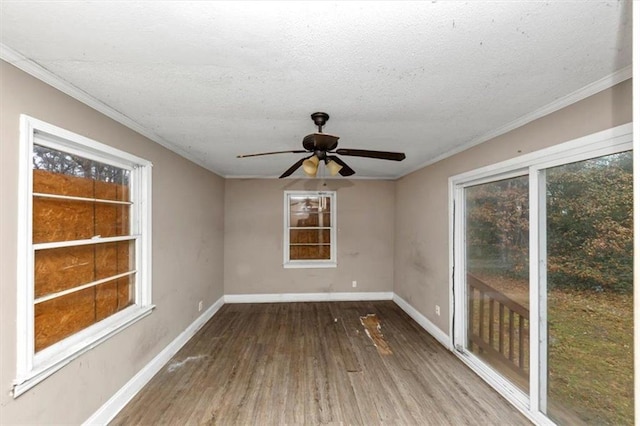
(64, 268)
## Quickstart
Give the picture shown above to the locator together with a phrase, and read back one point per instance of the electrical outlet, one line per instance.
(438, 310)
(354, 284)
(200, 306)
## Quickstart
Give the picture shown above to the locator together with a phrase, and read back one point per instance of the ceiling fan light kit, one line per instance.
(310, 166)
(319, 145)
(333, 167)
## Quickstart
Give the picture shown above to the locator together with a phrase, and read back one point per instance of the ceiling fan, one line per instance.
(321, 146)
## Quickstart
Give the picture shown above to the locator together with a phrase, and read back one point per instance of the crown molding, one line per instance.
(32, 68)
(580, 94)
(288, 178)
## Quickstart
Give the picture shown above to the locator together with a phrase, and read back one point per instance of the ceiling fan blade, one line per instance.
(297, 151)
(295, 167)
(382, 155)
(345, 170)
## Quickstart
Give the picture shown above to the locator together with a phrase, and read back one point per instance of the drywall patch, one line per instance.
(373, 328)
(179, 364)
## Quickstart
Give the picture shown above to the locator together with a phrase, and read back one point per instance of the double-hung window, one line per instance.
(310, 229)
(84, 261)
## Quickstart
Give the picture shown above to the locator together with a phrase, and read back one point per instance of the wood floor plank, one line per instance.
(342, 357)
(313, 363)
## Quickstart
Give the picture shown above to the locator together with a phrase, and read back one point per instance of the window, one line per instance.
(84, 261)
(310, 229)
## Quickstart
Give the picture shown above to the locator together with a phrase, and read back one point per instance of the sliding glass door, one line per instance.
(543, 279)
(588, 293)
(497, 272)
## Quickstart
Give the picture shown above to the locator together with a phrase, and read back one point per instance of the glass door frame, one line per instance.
(611, 141)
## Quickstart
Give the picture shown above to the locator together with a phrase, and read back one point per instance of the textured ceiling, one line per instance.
(215, 79)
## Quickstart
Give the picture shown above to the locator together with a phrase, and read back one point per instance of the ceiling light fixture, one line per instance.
(310, 166)
(333, 167)
(320, 145)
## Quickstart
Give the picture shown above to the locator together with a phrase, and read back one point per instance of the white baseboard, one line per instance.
(307, 297)
(112, 407)
(430, 327)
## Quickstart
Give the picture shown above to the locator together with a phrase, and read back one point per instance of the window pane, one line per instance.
(322, 236)
(590, 291)
(62, 174)
(310, 211)
(63, 268)
(61, 220)
(111, 220)
(57, 172)
(114, 296)
(67, 220)
(310, 252)
(67, 267)
(497, 248)
(113, 259)
(61, 317)
(305, 220)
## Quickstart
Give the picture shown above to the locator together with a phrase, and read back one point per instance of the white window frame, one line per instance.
(328, 263)
(607, 142)
(33, 367)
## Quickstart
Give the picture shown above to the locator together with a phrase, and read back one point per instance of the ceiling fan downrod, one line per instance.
(320, 119)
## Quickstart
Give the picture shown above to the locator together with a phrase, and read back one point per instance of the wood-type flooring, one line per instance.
(313, 363)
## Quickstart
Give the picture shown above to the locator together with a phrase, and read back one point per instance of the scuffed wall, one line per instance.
(188, 230)
(254, 233)
(422, 245)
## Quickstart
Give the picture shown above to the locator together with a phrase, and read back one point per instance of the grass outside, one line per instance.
(590, 354)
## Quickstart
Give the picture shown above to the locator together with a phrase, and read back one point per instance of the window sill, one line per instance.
(294, 265)
(52, 359)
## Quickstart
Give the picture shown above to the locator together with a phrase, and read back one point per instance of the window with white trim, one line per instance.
(84, 260)
(310, 229)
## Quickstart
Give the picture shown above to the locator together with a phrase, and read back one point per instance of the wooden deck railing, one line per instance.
(498, 326)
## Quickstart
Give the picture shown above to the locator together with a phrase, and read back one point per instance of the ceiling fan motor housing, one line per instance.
(320, 142)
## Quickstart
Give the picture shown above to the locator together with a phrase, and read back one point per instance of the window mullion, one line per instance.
(82, 287)
(537, 203)
(72, 198)
(89, 241)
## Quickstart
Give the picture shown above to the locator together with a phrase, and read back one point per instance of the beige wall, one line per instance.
(422, 218)
(213, 237)
(254, 237)
(188, 231)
